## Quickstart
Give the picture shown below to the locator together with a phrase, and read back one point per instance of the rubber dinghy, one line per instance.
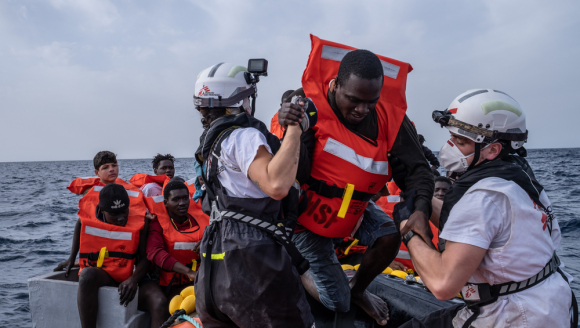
(53, 304)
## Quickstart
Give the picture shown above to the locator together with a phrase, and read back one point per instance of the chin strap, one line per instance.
(475, 156)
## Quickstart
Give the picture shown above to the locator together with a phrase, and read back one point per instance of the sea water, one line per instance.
(38, 214)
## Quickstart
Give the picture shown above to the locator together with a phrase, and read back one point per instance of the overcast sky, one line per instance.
(80, 76)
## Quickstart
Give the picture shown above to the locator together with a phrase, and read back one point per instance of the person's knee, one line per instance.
(88, 278)
(158, 304)
(388, 241)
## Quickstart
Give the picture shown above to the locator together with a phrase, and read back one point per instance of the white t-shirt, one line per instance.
(498, 215)
(238, 151)
(152, 189)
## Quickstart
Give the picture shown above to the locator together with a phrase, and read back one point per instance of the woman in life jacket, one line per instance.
(172, 245)
(110, 236)
(498, 233)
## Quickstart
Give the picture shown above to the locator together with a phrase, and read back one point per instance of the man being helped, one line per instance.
(152, 185)
(247, 276)
(174, 234)
(499, 236)
(361, 117)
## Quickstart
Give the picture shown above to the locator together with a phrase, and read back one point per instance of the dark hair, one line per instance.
(435, 172)
(104, 157)
(174, 184)
(285, 95)
(443, 179)
(157, 159)
(421, 138)
(361, 63)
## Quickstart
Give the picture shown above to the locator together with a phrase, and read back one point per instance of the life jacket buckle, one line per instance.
(215, 214)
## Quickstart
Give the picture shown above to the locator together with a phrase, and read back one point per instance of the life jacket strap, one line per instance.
(483, 294)
(94, 256)
(323, 189)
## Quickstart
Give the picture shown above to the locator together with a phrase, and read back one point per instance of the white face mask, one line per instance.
(452, 159)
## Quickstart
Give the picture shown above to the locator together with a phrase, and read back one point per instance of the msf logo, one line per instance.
(117, 204)
(203, 91)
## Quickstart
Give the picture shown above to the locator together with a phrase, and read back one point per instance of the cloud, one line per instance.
(83, 76)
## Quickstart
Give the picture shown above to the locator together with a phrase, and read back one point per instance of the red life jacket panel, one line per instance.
(80, 185)
(347, 169)
(122, 243)
(141, 179)
(179, 244)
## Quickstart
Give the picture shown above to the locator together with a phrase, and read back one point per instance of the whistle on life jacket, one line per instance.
(346, 197)
(103, 254)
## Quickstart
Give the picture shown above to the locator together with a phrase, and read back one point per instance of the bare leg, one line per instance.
(152, 300)
(90, 280)
(374, 261)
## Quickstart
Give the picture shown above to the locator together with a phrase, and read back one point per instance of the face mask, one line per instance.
(452, 159)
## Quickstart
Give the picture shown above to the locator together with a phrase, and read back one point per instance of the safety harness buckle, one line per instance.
(215, 215)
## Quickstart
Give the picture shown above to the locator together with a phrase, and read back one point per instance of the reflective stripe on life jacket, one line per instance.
(122, 243)
(179, 244)
(341, 157)
(80, 185)
(141, 179)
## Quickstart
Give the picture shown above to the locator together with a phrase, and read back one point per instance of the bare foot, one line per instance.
(373, 306)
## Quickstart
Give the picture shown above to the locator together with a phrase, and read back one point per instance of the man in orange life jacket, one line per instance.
(174, 232)
(162, 165)
(350, 117)
(111, 235)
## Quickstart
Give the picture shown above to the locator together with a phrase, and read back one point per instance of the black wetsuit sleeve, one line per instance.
(419, 176)
(304, 160)
(430, 156)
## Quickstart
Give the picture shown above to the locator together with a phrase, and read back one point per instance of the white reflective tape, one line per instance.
(132, 193)
(337, 54)
(158, 199)
(523, 284)
(98, 188)
(393, 199)
(186, 246)
(513, 286)
(348, 154)
(117, 235)
(390, 70)
(503, 289)
(403, 255)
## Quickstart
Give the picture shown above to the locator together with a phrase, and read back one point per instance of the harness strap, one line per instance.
(323, 189)
(94, 256)
(280, 233)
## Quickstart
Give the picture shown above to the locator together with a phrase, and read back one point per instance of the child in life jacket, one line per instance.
(110, 236)
(152, 185)
(173, 243)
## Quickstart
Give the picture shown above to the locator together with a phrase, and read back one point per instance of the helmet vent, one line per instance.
(469, 95)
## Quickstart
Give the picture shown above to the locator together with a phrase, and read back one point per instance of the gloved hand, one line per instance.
(310, 112)
(399, 171)
(403, 210)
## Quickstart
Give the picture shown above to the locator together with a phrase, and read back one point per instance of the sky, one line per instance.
(80, 76)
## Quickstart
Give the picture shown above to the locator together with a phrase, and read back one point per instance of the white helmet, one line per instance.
(223, 85)
(485, 116)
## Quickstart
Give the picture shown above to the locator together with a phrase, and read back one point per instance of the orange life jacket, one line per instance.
(275, 127)
(80, 185)
(387, 204)
(179, 244)
(347, 170)
(141, 179)
(122, 243)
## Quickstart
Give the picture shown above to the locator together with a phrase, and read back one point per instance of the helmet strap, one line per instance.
(475, 156)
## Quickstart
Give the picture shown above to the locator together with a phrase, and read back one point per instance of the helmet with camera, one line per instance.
(226, 85)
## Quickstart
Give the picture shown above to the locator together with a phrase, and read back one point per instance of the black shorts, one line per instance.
(253, 280)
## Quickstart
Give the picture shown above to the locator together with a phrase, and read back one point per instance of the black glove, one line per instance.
(403, 210)
(310, 112)
(399, 171)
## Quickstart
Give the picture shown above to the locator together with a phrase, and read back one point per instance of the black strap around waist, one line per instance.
(95, 255)
(325, 190)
